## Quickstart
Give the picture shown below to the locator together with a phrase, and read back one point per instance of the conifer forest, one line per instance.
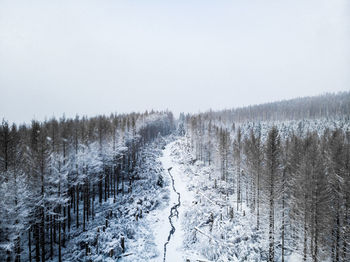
(174, 131)
(268, 182)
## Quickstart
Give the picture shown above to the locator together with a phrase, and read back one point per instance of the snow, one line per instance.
(196, 237)
(132, 217)
(175, 249)
(158, 220)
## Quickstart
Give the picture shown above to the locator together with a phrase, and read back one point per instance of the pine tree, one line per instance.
(254, 157)
(272, 171)
(238, 159)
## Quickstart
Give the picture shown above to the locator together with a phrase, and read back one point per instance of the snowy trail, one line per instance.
(164, 242)
(169, 232)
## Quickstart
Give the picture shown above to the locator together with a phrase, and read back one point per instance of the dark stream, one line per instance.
(173, 212)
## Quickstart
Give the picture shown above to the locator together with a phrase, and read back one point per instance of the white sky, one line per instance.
(103, 56)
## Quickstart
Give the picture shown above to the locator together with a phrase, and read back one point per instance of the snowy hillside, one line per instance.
(146, 187)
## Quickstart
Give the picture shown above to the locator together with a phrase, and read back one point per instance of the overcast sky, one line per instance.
(103, 56)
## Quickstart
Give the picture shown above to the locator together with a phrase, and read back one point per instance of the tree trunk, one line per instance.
(69, 208)
(29, 245)
(84, 206)
(93, 202)
(283, 225)
(271, 226)
(18, 249)
(114, 181)
(51, 237)
(59, 242)
(88, 211)
(315, 252)
(77, 208)
(338, 235)
(258, 202)
(305, 236)
(106, 183)
(37, 242)
(42, 235)
(100, 189)
(117, 178)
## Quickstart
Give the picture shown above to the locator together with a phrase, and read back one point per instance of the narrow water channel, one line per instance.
(173, 213)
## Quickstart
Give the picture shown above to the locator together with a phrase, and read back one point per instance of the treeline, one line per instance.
(53, 173)
(323, 106)
(297, 185)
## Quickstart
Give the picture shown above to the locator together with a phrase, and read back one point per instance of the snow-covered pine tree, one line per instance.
(271, 180)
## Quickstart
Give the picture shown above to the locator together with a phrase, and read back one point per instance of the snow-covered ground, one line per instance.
(132, 217)
(175, 251)
(195, 238)
(158, 220)
(201, 228)
(210, 226)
